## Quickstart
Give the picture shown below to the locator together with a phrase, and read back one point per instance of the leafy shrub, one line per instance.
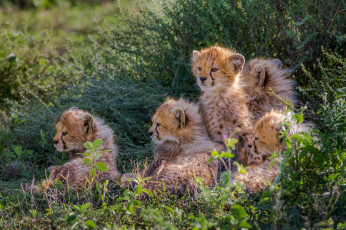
(22, 63)
(32, 64)
(326, 85)
(156, 44)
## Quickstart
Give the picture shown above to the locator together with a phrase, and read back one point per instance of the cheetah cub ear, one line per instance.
(195, 55)
(277, 62)
(237, 61)
(260, 73)
(179, 114)
(88, 123)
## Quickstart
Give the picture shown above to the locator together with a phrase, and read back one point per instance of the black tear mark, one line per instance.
(210, 73)
(63, 142)
(265, 82)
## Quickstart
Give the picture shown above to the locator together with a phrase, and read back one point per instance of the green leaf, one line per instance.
(211, 159)
(202, 219)
(238, 212)
(83, 207)
(87, 161)
(92, 172)
(136, 202)
(27, 152)
(265, 194)
(214, 153)
(17, 150)
(138, 189)
(88, 145)
(147, 191)
(130, 208)
(87, 153)
(101, 166)
(272, 164)
(300, 118)
(104, 151)
(90, 224)
(244, 225)
(10, 154)
(242, 170)
(97, 143)
(226, 155)
(98, 156)
(288, 142)
(296, 136)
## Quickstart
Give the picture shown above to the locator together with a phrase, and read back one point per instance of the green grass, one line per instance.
(65, 25)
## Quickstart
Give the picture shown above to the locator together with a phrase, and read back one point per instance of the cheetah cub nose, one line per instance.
(150, 133)
(202, 79)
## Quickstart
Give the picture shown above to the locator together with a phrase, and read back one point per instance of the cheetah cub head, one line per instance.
(73, 128)
(255, 74)
(216, 67)
(175, 121)
(267, 137)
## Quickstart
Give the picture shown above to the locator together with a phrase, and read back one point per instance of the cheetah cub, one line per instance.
(182, 150)
(223, 100)
(267, 139)
(73, 128)
(257, 78)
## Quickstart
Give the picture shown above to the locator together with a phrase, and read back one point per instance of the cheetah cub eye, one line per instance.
(214, 69)
(199, 68)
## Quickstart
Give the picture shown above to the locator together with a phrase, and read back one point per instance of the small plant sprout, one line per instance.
(230, 145)
(93, 153)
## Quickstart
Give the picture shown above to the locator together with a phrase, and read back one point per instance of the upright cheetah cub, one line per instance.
(258, 77)
(182, 149)
(223, 101)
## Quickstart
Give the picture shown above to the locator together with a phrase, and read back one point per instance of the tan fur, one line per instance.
(257, 78)
(73, 129)
(182, 149)
(258, 177)
(266, 140)
(223, 102)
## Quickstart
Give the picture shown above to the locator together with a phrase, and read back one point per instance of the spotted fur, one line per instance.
(258, 77)
(223, 101)
(266, 140)
(182, 149)
(73, 128)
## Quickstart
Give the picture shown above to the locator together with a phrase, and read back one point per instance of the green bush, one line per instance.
(327, 82)
(156, 44)
(23, 62)
(33, 65)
